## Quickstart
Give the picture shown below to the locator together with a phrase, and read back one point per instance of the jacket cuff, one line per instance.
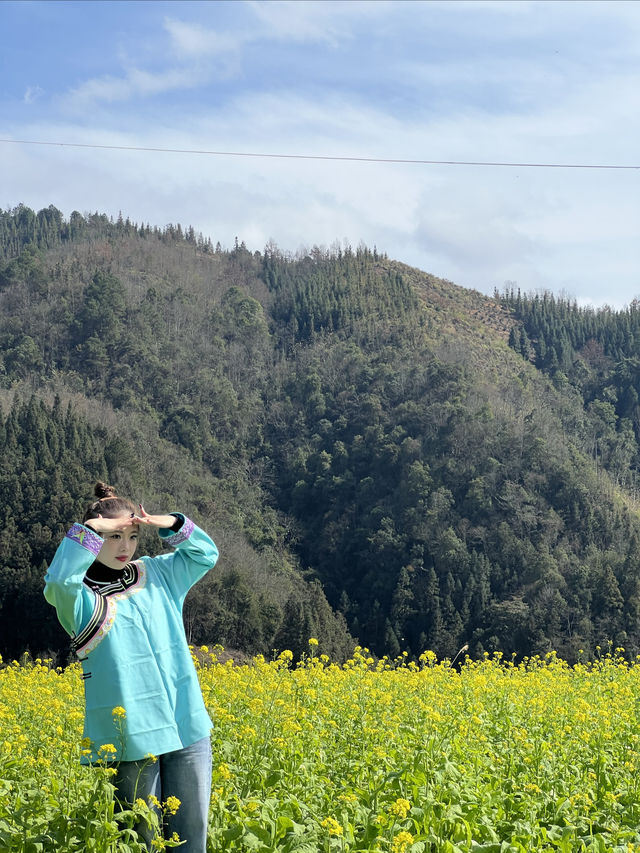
(86, 537)
(174, 539)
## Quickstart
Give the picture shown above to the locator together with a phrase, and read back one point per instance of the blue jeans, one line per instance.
(185, 774)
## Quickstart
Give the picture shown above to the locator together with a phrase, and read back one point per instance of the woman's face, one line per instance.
(119, 545)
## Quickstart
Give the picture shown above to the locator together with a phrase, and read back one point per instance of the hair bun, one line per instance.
(108, 504)
(102, 490)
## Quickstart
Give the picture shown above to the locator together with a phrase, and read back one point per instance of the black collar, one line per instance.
(98, 572)
(107, 581)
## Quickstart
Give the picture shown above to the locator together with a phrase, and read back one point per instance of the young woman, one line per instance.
(125, 620)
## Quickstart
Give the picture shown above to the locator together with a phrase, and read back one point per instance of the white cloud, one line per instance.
(32, 94)
(194, 40)
(314, 20)
(134, 83)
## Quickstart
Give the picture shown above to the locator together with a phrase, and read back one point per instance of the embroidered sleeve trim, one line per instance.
(181, 535)
(85, 537)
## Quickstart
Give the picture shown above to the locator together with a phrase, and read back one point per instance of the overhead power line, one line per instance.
(330, 157)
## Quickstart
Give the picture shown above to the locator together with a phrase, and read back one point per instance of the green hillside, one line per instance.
(379, 454)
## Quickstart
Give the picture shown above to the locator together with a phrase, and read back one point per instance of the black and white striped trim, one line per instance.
(104, 609)
(94, 624)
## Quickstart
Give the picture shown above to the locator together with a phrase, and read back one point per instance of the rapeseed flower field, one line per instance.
(371, 755)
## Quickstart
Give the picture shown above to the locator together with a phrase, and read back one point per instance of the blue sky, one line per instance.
(538, 81)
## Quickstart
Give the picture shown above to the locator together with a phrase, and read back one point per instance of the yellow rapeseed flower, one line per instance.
(224, 772)
(400, 808)
(327, 732)
(401, 842)
(172, 804)
(332, 826)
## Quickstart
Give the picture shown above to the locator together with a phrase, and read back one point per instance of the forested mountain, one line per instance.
(597, 353)
(380, 455)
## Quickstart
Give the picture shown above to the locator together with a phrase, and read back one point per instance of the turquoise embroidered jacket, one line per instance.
(129, 636)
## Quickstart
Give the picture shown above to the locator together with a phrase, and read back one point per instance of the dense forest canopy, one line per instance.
(597, 353)
(380, 455)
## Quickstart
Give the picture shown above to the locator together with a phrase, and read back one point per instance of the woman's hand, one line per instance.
(165, 521)
(110, 525)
